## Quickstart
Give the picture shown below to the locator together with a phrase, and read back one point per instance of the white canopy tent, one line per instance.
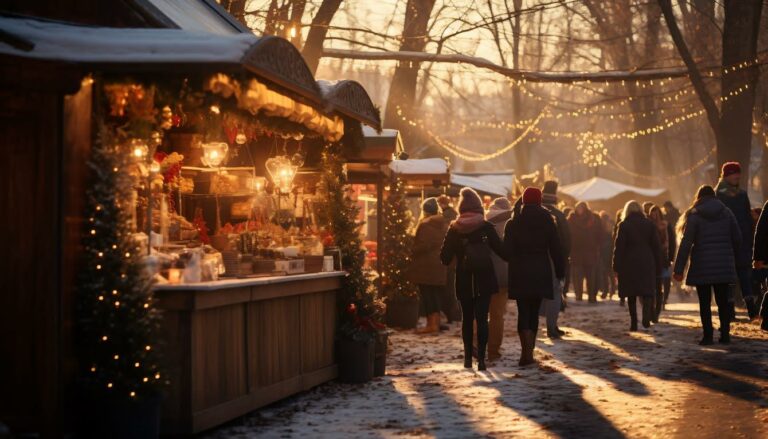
(602, 193)
(602, 189)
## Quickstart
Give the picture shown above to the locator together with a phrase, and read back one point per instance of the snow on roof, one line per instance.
(88, 44)
(195, 16)
(386, 132)
(598, 188)
(504, 180)
(417, 166)
(481, 184)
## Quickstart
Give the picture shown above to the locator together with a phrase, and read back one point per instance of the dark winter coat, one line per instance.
(586, 232)
(711, 239)
(472, 284)
(741, 208)
(425, 268)
(499, 220)
(563, 230)
(761, 236)
(533, 248)
(637, 256)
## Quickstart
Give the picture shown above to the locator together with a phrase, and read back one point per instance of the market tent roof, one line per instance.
(350, 98)
(602, 189)
(502, 180)
(419, 166)
(481, 185)
(194, 15)
(144, 49)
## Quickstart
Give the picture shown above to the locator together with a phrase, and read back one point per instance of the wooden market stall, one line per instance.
(234, 343)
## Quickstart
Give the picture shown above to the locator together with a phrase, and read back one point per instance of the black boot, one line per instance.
(468, 357)
(647, 311)
(706, 340)
(481, 358)
(752, 307)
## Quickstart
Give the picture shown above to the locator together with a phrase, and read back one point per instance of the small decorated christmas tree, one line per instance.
(340, 213)
(117, 320)
(396, 244)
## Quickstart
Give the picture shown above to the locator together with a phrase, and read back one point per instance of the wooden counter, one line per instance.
(235, 345)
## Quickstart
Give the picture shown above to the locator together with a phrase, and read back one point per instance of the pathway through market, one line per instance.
(598, 381)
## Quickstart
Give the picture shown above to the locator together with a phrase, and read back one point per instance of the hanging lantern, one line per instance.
(214, 153)
(282, 172)
(298, 159)
(241, 138)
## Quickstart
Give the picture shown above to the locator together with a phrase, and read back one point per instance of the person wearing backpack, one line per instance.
(468, 244)
(533, 249)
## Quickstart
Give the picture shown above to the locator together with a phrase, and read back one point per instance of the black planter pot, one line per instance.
(355, 359)
(403, 312)
(120, 419)
(380, 357)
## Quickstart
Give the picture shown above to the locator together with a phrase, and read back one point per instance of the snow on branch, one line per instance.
(530, 76)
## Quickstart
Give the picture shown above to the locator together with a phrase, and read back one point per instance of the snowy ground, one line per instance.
(599, 381)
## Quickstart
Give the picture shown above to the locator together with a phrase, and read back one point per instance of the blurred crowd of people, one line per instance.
(469, 260)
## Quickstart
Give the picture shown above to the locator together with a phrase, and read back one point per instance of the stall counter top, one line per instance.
(245, 282)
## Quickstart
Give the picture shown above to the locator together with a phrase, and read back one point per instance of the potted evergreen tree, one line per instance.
(361, 309)
(117, 346)
(401, 295)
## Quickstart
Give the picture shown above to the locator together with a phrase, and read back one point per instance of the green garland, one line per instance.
(117, 320)
(396, 244)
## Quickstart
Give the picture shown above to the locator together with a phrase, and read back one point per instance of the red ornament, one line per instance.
(351, 309)
(176, 120)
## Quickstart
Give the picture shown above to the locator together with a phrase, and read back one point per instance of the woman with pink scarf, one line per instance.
(468, 244)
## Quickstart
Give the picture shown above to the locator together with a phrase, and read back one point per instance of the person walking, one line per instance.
(614, 232)
(469, 243)
(637, 261)
(585, 250)
(760, 257)
(668, 247)
(425, 270)
(711, 240)
(736, 199)
(671, 213)
(605, 270)
(498, 215)
(449, 305)
(551, 308)
(533, 249)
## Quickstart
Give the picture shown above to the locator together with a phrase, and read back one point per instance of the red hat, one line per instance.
(730, 168)
(532, 195)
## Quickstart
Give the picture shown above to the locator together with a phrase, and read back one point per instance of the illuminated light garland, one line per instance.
(616, 164)
(593, 150)
(468, 154)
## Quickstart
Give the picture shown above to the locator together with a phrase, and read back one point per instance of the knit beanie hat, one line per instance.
(730, 168)
(469, 201)
(429, 206)
(501, 203)
(532, 195)
(550, 187)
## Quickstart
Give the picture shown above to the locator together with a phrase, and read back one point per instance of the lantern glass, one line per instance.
(282, 172)
(214, 153)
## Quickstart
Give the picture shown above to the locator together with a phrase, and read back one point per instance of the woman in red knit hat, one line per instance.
(532, 245)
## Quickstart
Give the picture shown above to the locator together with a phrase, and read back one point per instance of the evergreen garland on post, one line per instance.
(118, 323)
(396, 242)
(357, 296)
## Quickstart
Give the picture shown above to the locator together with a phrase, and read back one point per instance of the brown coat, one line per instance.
(426, 268)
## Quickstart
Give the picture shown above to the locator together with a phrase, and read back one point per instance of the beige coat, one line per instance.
(426, 268)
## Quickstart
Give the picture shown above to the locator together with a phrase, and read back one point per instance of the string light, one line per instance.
(593, 150)
(617, 164)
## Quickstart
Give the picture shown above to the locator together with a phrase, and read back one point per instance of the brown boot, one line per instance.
(527, 339)
(433, 325)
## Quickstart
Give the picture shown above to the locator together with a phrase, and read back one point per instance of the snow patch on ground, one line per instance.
(599, 381)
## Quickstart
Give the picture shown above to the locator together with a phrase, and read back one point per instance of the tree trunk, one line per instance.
(236, 8)
(402, 89)
(521, 153)
(740, 32)
(313, 48)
